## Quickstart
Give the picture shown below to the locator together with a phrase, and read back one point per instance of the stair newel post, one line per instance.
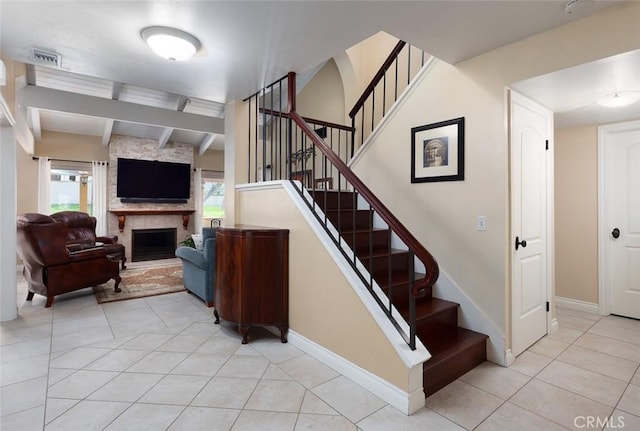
(412, 305)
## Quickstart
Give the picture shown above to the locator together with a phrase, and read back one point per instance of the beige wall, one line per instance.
(69, 146)
(8, 91)
(211, 159)
(367, 57)
(323, 97)
(322, 304)
(442, 215)
(55, 145)
(576, 213)
(26, 182)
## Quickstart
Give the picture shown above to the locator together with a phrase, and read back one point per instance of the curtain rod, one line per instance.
(209, 170)
(64, 160)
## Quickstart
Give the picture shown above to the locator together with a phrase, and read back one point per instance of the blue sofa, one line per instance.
(198, 267)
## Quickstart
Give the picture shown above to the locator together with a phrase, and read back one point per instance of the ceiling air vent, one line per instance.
(47, 58)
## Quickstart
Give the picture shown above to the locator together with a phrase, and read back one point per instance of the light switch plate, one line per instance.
(481, 223)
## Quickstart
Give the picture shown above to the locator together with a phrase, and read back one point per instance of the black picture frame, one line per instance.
(437, 151)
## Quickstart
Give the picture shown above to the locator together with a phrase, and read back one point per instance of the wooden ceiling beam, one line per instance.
(64, 101)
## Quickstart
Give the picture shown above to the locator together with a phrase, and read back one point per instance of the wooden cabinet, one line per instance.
(252, 277)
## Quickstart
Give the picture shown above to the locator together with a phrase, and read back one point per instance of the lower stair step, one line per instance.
(454, 352)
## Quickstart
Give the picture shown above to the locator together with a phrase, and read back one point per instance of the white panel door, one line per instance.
(530, 135)
(622, 216)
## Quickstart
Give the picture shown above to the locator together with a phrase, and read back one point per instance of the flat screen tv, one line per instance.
(153, 181)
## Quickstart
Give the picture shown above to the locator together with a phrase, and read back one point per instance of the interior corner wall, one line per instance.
(366, 58)
(323, 97)
(576, 213)
(443, 215)
(236, 145)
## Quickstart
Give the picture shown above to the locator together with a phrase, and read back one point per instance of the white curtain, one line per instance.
(100, 197)
(44, 185)
(197, 197)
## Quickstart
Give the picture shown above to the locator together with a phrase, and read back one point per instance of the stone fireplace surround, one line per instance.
(146, 215)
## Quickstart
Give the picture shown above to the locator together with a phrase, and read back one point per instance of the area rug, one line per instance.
(142, 282)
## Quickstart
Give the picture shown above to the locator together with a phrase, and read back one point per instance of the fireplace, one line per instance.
(152, 244)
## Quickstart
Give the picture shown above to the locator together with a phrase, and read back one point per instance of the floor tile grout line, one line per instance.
(556, 358)
(624, 392)
(531, 378)
(125, 371)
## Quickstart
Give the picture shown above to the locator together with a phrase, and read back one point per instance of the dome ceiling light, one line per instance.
(171, 43)
(620, 98)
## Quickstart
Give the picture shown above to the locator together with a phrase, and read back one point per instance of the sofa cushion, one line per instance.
(193, 256)
(208, 232)
(82, 226)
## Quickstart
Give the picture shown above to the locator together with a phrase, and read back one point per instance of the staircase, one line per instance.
(454, 350)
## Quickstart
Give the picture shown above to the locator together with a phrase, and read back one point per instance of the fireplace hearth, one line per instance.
(152, 244)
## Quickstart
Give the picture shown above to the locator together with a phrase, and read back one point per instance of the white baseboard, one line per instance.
(575, 304)
(508, 358)
(553, 327)
(407, 403)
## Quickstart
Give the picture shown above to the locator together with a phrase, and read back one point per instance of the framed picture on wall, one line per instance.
(437, 151)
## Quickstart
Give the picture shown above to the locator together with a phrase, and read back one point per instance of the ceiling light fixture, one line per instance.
(620, 98)
(171, 43)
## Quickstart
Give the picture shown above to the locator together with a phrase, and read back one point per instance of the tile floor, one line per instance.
(160, 363)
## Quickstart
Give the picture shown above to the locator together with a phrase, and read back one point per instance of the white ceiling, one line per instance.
(246, 44)
(572, 94)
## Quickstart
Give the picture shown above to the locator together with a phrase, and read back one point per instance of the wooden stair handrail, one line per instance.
(394, 224)
(323, 123)
(377, 77)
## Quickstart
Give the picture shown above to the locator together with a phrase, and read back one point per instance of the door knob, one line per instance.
(519, 243)
(615, 233)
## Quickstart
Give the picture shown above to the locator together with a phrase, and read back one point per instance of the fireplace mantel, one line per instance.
(122, 215)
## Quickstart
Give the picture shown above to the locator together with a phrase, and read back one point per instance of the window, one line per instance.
(71, 187)
(212, 196)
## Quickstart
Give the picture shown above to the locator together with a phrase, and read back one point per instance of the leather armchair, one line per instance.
(51, 267)
(82, 232)
(198, 266)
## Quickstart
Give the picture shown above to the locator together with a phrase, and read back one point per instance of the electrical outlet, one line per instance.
(481, 223)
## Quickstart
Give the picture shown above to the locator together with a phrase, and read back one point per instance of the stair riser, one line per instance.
(430, 326)
(343, 220)
(438, 376)
(363, 241)
(400, 295)
(329, 200)
(399, 263)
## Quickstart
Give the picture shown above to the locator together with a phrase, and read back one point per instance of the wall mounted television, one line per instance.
(153, 181)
